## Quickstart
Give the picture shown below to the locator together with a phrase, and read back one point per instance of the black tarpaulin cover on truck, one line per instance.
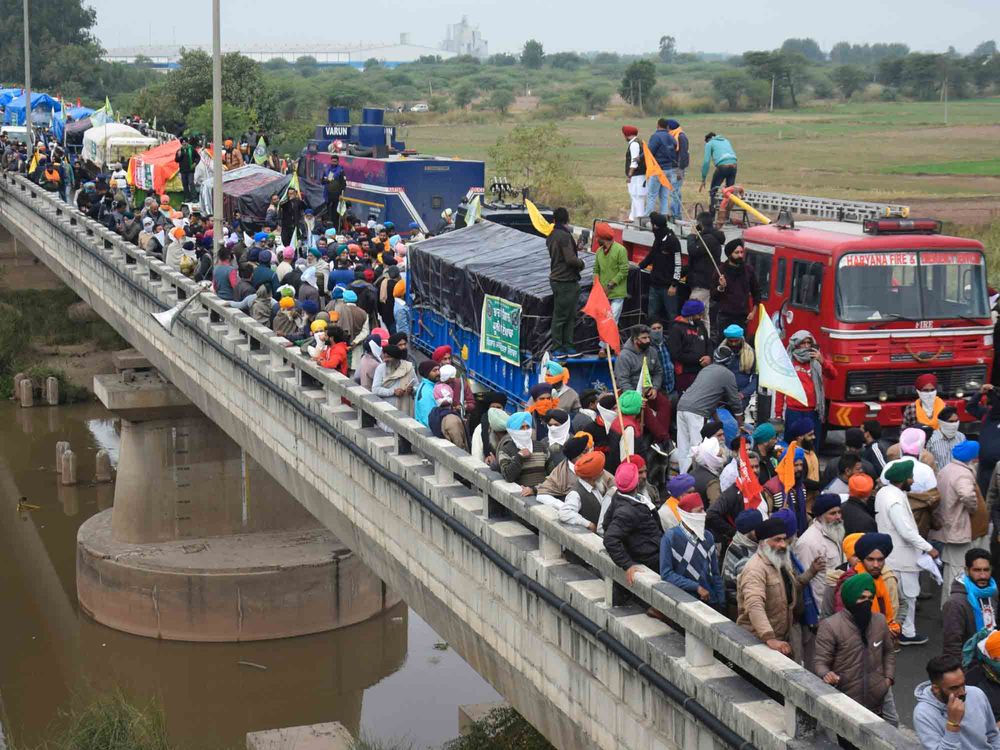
(451, 273)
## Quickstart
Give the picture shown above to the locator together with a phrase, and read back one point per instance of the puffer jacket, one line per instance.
(633, 535)
(960, 498)
(763, 607)
(865, 667)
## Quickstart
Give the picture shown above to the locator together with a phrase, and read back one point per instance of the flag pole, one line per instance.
(618, 405)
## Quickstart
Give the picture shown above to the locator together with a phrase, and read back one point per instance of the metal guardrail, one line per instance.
(710, 638)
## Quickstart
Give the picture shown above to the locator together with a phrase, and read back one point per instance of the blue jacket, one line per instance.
(423, 402)
(718, 150)
(663, 147)
(676, 572)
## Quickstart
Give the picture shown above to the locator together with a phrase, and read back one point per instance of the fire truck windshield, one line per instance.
(911, 285)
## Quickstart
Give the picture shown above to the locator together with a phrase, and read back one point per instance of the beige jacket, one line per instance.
(760, 599)
(959, 500)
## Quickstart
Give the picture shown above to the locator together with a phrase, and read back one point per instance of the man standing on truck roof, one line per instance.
(635, 172)
(718, 150)
(611, 271)
(676, 177)
(737, 292)
(334, 182)
(704, 254)
(663, 147)
(565, 265)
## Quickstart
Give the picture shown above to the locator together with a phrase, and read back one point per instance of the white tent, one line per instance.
(114, 142)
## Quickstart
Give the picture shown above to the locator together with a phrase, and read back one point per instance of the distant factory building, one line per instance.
(464, 39)
(167, 57)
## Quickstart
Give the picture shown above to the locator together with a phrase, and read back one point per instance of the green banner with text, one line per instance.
(500, 333)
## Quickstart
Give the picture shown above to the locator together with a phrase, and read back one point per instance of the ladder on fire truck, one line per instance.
(824, 208)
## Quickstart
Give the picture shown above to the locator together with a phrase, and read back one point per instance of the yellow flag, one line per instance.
(645, 379)
(653, 167)
(537, 220)
(34, 163)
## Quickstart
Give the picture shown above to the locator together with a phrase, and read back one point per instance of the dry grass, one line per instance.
(839, 150)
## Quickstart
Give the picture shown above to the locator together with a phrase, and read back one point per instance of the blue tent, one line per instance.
(6, 95)
(14, 111)
(78, 113)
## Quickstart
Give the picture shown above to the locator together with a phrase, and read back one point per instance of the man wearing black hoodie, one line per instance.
(704, 253)
(664, 257)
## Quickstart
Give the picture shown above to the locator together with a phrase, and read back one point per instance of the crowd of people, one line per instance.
(820, 561)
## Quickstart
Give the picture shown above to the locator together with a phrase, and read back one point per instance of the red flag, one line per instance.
(77, 101)
(746, 480)
(599, 308)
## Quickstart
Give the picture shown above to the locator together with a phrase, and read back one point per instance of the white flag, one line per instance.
(773, 363)
(474, 211)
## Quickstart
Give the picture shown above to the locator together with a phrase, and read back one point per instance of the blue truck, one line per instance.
(385, 181)
(484, 290)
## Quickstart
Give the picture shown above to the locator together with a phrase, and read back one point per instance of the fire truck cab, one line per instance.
(886, 300)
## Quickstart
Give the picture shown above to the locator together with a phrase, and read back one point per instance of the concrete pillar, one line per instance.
(697, 652)
(52, 391)
(217, 550)
(330, 736)
(67, 468)
(61, 447)
(102, 471)
(26, 393)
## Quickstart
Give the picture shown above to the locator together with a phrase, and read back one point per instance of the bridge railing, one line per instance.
(710, 638)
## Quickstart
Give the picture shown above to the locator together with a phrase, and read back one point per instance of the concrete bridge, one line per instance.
(535, 607)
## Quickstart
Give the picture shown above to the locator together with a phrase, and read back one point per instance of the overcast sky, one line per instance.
(579, 25)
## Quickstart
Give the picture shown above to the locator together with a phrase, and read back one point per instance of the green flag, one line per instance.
(645, 379)
(260, 151)
(107, 109)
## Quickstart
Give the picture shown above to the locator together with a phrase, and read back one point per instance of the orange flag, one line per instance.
(599, 308)
(653, 168)
(786, 467)
(746, 480)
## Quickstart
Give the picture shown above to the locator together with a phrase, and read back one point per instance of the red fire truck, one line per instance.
(887, 298)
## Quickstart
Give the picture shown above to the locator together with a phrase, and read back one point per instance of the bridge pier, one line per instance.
(201, 544)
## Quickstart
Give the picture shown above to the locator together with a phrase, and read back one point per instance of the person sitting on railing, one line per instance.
(580, 498)
(523, 459)
(463, 395)
(688, 556)
(445, 421)
(632, 536)
(371, 358)
(767, 591)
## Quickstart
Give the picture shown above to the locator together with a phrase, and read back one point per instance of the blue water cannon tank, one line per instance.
(338, 115)
(372, 116)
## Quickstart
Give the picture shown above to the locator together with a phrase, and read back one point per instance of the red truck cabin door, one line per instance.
(799, 285)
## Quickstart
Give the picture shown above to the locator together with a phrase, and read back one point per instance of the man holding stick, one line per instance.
(704, 253)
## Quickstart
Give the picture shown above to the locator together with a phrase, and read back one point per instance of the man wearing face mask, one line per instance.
(960, 500)
(688, 556)
(812, 368)
(854, 652)
(895, 518)
(945, 437)
(688, 342)
(628, 366)
(926, 410)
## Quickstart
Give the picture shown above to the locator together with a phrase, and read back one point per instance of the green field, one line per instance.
(837, 150)
(985, 167)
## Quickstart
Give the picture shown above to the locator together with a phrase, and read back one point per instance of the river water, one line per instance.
(383, 677)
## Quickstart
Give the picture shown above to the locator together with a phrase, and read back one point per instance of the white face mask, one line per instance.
(522, 439)
(949, 429)
(559, 434)
(927, 399)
